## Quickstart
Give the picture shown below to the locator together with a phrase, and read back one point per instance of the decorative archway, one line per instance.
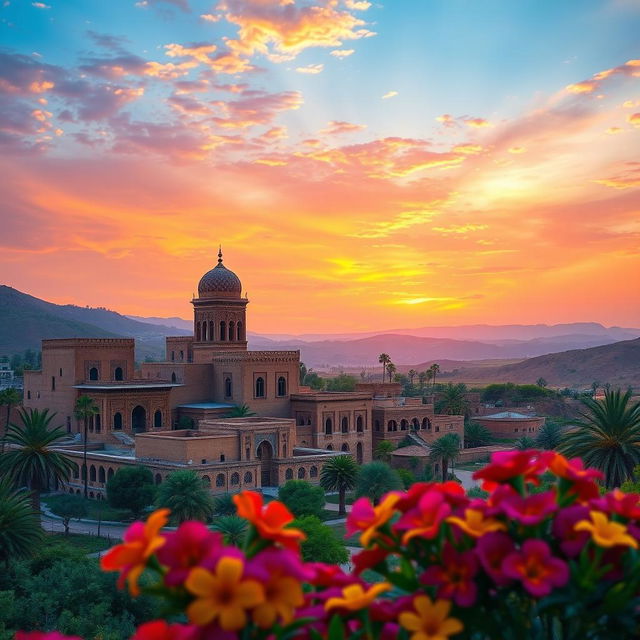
(139, 419)
(265, 455)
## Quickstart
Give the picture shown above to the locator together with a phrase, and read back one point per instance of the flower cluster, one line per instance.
(544, 555)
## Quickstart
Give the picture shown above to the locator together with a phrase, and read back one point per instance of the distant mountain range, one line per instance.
(26, 320)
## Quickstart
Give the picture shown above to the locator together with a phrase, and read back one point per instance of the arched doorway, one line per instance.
(264, 454)
(138, 419)
(359, 456)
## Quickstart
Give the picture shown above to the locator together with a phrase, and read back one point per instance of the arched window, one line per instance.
(92, 473)
(248, 477)
(158, 478)
(198, 335)
(205, 331)
(359, 424)
(235, 478)
(118, 374)
(220, 480)
(344, 424)
(260, 387)
(404, 425)
(101, 475)
(359, 452)
(329, 447)
(223, 330)
(376, 425)
(302, 473)
(157, 419)
(181, 354)
(313, 472)
(232, 330)
(328, 426)
(415, 424)
(288, 474)
(282, 386)
(300, 421)
(206, 481)
(228, 390)
(426, 424)
(76, 473)
(211, 338)
(344, 447)
(97, 421)
(174, 377)
(117, 421)
(110, 473)
(239, 331)
(93, 373)
(392, 425)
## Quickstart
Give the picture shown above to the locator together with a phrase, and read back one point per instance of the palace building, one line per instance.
(176, 414)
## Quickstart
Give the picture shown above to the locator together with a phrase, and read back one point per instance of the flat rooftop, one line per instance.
(123, 386)
(207, 405)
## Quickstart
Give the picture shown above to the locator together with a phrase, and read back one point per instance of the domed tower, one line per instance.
(219, 313)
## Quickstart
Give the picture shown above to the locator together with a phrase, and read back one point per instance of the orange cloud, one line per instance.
(629, 68)
(311, 69)
(614, 130)
(342, 53)
(586, 86)
(634, 119)
(516, 149)
(335, 127)
(467, 149)
(357, 5)
(210, 17)
(628, 178)
(477, 123)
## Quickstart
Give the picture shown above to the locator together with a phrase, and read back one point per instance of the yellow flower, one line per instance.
(606, 533)
(431, 621)
(356, 598)
(381, 515)
(475, 524)
(223, 595)
(282, 595)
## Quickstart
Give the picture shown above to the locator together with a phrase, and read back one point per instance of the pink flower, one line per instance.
(368, 519)
(191, 545)
(424, 520)
(328, 575)
(571, 541)
(531, 510)
(367, 559)
(492, 549)
(626, 505)
(508, 465)
(454, 578)
(162, 630)
(43, 635)
(536, 568)
(573, 471)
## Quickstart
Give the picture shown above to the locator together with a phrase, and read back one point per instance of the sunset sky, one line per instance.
(365, 165)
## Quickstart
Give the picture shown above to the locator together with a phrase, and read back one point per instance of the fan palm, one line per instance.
(383, 450)
(412, 373)
(525, 443)
(608, 437)
(445, 449)
(32, 461)
(223, 505)
(340, 474)
(20, 530)
(8, 398)
(375, 479)
(185, 494)
(549, 436)
(233, 529)
(384, 359)
(84, 410)
(454, 399)
(241, 411)
(477, 435)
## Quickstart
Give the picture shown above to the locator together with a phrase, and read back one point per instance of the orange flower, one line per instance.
(269, 520)
(606, 533)
(223, 595)
(475, 524)
(430, 620)
(368, 519)
(354, 597)
(141, 540)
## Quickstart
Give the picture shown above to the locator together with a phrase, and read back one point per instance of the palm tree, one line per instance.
(223, 505)
(340, 474)
(391, 369)
(9, 398)
(32, 461)
(454, 400)
(20, 530)
(241, 411)
(233, 529)
(422, 378)
(435, 370)
(476, 435)
(445, 449)
(84, 410)
(376, 479)
(384, 359)
(412, 373)
(608, 437)
(525, 443)
(549, 436)
(383, 450)
(185, 494)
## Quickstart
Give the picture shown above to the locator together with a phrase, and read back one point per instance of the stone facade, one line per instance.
(510, 424)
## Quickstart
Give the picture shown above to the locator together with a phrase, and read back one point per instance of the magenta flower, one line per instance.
(571, 541)
(162, 630)
(423, 521)
(454, 578)
(530, 510)
(191, 545)
(536, 568)
(492, 549)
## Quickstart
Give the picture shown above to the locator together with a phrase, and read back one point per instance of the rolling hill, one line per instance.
(26, 320)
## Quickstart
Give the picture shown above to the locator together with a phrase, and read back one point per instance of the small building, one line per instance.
(511, 424)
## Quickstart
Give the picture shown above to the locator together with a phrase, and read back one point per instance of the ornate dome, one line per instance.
(220, 281)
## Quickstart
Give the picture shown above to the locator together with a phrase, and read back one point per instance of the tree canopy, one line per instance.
(131, 488)
(376, 479)
(302, 498)
(185, 494)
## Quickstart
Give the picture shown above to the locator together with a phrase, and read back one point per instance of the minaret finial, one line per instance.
(220, 254)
